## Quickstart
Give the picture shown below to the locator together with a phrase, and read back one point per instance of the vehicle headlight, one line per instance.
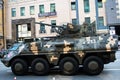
(4, 56)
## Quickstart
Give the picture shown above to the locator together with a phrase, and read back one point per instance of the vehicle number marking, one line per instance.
(93, 41)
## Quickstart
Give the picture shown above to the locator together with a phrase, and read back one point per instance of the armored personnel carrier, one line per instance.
(74, 46)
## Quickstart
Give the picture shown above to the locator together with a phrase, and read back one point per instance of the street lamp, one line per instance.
(2, 7)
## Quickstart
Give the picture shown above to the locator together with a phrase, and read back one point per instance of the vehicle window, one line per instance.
(14, 47)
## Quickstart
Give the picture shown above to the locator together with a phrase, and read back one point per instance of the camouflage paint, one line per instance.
(102, 42)
(53, 58)
(75, 40)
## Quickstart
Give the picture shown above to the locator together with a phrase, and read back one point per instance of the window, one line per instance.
(24, 30)
(13, 12)
(100, 5)
(41, 9)
(86, 6)
(42, 28)
(52, 7)
(87, 19)
(12, 0)
(119, 7)
(29, 27)
(32, 10)
(101, 23)
(22, 11)
(73, 6)
(74, 21)
(53, 22)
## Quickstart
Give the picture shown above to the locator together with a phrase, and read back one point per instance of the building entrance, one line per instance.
(24, 31)
(117, 30)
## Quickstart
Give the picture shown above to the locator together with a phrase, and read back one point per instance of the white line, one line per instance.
(53, 78)
(112, 69)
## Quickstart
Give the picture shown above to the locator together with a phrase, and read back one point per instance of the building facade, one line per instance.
(88, 13)
(21, 15)
(113, 12)
(1, 24)
(113, 15)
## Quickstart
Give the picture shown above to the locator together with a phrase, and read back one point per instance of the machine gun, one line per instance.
(71, 30)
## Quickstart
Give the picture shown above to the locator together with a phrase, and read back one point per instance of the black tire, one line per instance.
(93, 65)
(68, 66)
(19, 67)
(40, 66)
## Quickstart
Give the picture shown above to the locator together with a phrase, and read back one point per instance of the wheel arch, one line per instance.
(28, 58)
(93, 54)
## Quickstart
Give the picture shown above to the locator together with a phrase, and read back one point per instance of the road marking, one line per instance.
(15, 78)
(112, 69)
(53, 78)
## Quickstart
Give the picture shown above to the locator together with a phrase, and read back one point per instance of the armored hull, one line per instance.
(66, 45)
(73, 47)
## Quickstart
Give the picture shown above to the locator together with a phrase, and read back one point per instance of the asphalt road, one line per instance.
(111, 72)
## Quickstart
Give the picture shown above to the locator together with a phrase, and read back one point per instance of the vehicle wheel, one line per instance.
(68, 66)
(93, 65)
(40, 66)
(19, 67)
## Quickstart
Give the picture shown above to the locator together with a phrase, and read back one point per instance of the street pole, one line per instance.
(3, 24)
(77, 12)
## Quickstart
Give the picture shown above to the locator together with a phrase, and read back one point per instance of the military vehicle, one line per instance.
(75, 46)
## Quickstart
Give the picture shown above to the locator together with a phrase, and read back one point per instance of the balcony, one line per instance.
(47, 14)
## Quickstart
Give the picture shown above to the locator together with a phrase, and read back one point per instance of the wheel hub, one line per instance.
(18, 67)
(68, 66)
(93, 65)
(39, 67)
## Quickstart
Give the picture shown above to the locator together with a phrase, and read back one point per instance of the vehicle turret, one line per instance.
(73, 31)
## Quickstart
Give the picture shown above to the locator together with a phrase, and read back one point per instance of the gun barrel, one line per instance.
(47, 24)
